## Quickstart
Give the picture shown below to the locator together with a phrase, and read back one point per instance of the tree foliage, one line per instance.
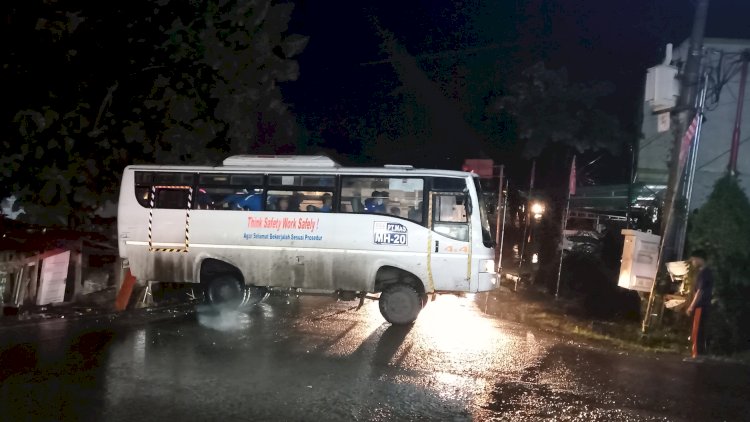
(547, 108)
(722, 228)
(98, 87)
(226, 60)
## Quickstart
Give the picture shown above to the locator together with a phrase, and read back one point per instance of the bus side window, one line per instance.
(171, 198)
(299, 201)
(143, 182)
(143, 195)
(300, 193)
(449, 216)
(238, 192)
(394, 196)
(169, 190)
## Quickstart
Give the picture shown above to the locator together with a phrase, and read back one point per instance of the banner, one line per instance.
(54, 277)
(572, 178)
(687, 140)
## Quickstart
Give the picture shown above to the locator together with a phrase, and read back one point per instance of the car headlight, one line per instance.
(486, 265)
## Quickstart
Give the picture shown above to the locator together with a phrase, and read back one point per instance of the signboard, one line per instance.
(482, 167)
(53, 279)
(663, 122)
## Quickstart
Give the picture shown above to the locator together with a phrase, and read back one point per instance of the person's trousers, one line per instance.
(698, 336)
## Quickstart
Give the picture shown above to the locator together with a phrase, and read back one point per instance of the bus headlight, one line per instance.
(486, 265)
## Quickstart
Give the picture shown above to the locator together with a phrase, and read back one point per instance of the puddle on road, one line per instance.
(530, 401)
(222, 319)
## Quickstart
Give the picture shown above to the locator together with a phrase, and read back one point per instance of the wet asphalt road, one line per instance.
(312, 359)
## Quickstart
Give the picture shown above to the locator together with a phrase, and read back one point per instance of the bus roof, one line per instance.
(276, 161)
(297, 164)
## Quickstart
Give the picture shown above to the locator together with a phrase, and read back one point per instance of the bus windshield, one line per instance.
(486, 235)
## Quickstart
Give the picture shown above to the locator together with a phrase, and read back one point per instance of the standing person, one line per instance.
(701, 303)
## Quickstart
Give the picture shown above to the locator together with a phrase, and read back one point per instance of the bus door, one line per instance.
(450, 244)
(169, 218)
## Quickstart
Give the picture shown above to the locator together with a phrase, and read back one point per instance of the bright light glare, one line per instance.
(537, 208)
(456, 325)
(535, 258)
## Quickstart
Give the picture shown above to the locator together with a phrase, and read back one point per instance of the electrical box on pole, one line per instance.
(662, 87)
(640, 257)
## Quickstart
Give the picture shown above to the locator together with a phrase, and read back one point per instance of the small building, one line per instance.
(723, 58)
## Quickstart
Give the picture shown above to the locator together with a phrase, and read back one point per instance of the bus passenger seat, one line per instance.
(357, 205)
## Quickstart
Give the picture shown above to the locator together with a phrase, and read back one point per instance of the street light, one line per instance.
(537, 209)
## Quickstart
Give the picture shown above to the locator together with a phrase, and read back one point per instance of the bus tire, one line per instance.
(424, 298)
(254, 295)
(225, 291)
(400, 304)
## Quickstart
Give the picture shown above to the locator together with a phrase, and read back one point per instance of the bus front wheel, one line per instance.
(254, 295)
(225, 291)
(400, 304)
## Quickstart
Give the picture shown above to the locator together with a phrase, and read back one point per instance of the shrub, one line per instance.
(722, 228)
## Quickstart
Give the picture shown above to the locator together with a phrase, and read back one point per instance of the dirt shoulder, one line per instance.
(564, 316)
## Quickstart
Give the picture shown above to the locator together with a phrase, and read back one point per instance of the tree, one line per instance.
(722, 228)
(170, 82)
(222, 87)
(545, 108)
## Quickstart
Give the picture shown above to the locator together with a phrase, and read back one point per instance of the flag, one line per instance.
(687, 139)
(572, 178)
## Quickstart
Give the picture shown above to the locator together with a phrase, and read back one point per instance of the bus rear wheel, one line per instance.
(400, 304)
(225, 291)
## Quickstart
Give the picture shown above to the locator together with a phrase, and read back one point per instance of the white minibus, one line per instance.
(259, 223)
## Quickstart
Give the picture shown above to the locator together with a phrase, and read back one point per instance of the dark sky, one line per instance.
(593, 39)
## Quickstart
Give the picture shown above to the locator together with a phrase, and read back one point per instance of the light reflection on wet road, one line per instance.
(313, 359)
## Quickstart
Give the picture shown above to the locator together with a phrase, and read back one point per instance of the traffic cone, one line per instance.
(123, 296)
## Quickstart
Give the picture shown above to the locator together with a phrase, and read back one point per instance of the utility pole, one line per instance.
(499, 254)
(684, 113)
(528, 217)
(734, 152)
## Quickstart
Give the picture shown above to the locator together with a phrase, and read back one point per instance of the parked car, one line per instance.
(583, 241)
